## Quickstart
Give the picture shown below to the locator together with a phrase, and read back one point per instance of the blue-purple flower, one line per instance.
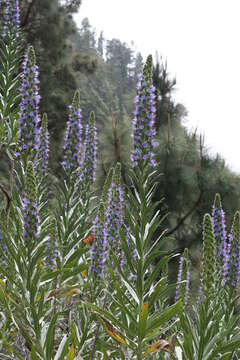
(29, 107)
(73, 136)
(219, 229)
(232, 257)
(43, 151)
(114, 213)
(31, 219)
(30, 210)
(12, 17)
(144, 118)
(99, 246)
(88, 163)
(182, 288)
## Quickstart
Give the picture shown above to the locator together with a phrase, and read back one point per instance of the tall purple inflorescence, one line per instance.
(30, 210)
(73, 136)
(12, 17)
(98, 249)
(43, 151)
(182, 289)
(88, 163)
(144, 118)
(29, 107)
(219, 229)
(114, 213)
(232, 259)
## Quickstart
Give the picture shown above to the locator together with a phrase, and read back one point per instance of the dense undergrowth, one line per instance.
(85, 276)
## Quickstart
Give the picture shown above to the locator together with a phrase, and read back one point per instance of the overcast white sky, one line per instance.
(201, 41)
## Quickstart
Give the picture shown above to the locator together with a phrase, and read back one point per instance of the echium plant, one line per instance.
(88, 163)
(219, 229)
(144, 118)
(183, 279)
(12, 18)
(232, 260)
(209, 258)
(30, 211)
(99, 246)
(73, 136)
(10, 60)
(114, 211)
(210, 330)
(29, 108)
(141, 315)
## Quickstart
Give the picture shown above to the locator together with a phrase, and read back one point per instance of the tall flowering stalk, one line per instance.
(12, 18)
(98, 249)
(88, 163)
(182, 289)
(219, 229)
(114, 213)
(208, 261)
(30, 210)
(144, 118)
(29, 107)
(73, 136)
(43, 151)
(232, 261)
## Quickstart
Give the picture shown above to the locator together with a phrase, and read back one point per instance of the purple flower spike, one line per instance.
(31, 220)
(179, 278)
(114, 213)
(30, 210)
(98, 249)
(219, 229)
(88, 163)
(12, 18)
(29, 107)
(43, 152)
(232, 259)
(144, 119)
(182, 289)
(73, 136)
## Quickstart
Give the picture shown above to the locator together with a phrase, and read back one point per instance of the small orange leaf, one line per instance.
(88, 240)
(113, 332)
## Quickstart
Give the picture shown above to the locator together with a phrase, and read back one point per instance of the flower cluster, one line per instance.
(12, 17)
(99, 246)
(182, 288)
(144, 118)
(114, 213)
(73, 136)
(219, 229)
(88, 164)
(29, 106)
(31, 219)
(232, 257)
(30, 210)
(43, 151)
